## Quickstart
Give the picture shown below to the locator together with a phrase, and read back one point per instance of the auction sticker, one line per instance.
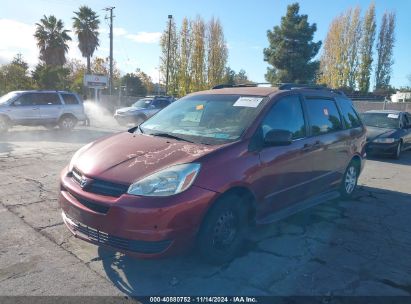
(250, 102)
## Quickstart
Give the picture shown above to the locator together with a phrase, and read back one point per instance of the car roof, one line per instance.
(253, 91)
(385, 111)
(44, 91)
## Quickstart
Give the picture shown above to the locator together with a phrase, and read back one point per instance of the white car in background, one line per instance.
(44, 108)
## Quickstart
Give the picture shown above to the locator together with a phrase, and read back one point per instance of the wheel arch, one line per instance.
(247, 197)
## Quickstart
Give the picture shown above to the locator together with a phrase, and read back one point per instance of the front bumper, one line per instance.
(124, 119)
(380, 148)
(146, 227)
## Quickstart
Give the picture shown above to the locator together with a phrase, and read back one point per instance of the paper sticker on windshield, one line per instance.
(199, 107)
(250, 102)
(325, 111)
(392, 115)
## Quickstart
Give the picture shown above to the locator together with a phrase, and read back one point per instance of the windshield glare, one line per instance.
(7, 97)
(142, 103)
(208, 119)
(381, 120)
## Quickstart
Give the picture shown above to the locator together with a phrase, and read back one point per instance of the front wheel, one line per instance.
(67, 123)
(222, 234)
(349, 181)
(398, 150)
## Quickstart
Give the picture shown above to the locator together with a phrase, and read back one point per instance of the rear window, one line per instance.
(323, 116)
(69, 99)
(349, 115)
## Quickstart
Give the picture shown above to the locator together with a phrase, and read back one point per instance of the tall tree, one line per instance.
(14, 76)
(146, 80)
(52, 40)
(134, 85)
(51, 77)
(173, 62)
(366, 49)
(291, 49)
(86, 25)
(198, 57)
(216, 52)
(186, 42)
(340, 60)
(385, 47)
(352, 46)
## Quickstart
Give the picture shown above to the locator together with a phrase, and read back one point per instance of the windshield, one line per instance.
(207, 119)
(381, 120)
(142, 103)
(7, 97)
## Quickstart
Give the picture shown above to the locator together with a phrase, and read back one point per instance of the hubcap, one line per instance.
(350, 179)
(67, 123)
(225, 230)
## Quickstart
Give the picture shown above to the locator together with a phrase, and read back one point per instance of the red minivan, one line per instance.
(211, 164)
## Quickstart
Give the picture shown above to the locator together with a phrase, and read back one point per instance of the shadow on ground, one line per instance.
(404, 160)
(356, 247)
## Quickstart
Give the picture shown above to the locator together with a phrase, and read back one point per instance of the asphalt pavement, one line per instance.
(356, 247)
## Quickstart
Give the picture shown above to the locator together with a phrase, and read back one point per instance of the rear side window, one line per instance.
(69, 99)
(349, 114)
(323, 115)
(286, 114)
(41, 99)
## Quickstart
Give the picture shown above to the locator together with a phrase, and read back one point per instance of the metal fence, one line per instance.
(363, 106)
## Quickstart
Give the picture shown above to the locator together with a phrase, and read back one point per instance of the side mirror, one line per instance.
(16, 103)
(278, 138)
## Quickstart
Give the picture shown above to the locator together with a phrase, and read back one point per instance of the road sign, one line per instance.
(95, 81)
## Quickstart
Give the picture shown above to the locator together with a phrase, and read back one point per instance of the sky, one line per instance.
(139, 24)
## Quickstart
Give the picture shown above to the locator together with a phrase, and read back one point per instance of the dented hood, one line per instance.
(125, 157)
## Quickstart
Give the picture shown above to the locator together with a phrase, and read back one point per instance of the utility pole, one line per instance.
(168, 50)
(110, 8)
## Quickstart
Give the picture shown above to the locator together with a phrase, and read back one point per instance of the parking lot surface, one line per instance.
(356, 247)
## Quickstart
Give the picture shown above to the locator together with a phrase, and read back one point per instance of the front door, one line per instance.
(286, 171)
(23, 110)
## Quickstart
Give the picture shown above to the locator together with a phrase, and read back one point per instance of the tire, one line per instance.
(67, 123)
(4, 125)
(398, 150)
(349, 181)
(223, 230)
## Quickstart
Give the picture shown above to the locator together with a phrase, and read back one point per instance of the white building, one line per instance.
(401, 97)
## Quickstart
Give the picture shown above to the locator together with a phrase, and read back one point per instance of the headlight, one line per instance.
(76, 155)
(387, 140)
(166, 182)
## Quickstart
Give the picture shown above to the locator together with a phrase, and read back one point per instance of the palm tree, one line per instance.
(86, 24)
(52, 40)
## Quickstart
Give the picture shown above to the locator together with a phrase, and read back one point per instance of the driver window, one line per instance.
(24, 100)
(286, 114)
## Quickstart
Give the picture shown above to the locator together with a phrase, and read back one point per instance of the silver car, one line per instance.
(141, 110)
(45, 108)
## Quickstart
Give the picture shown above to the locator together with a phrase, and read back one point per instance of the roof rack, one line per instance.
(241, 85)
(294, 86)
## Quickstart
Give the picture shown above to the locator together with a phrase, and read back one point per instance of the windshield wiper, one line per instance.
(171, 136)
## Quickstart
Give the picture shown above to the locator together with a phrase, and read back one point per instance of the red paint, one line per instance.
(276, 176)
